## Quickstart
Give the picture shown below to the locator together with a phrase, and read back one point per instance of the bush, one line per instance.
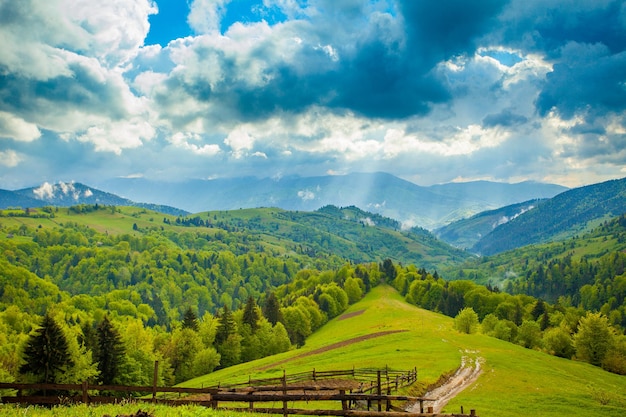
(466, 321)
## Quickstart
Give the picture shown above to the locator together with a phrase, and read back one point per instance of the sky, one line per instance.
(430, 91)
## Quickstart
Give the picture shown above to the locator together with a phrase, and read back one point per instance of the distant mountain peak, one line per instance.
(63, 190)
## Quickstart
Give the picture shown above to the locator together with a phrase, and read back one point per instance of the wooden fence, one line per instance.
(372, 397)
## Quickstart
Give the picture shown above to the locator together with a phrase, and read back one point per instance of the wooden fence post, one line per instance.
(155, 380)
(379, 390)
(285, 404)
(85, 396)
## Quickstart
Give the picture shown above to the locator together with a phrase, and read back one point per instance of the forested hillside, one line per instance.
(215, 289)
(194, 296)
(586, 271)
(567, 214)
(465, 233)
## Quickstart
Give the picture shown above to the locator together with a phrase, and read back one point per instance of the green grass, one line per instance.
(8, 410)
(515, 381)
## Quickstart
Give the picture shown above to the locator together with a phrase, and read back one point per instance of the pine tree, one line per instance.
(272, 310)
(251, 315)
(110, 352)
(46, 353)
(226, 326)
(190, 320)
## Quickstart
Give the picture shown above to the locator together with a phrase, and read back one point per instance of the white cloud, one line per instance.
(15, 128)
(45, 191)
(10, 158)
(115, 136)
(306, 195)
(240, 141)
(184, 140)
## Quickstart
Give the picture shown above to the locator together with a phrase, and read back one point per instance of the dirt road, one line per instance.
(464, 376)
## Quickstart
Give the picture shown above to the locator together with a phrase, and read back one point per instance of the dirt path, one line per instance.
(331, 347)
(464, 376)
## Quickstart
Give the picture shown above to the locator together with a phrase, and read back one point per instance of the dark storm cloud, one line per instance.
(586, 42)
(438, 30)
(378, 70)
(590, 88)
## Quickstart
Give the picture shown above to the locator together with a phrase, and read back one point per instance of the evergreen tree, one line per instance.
(272, 310)
(251, 315)
(110, 353)
(226, 326)
(46, 353)
(190, 320)
(538, 310)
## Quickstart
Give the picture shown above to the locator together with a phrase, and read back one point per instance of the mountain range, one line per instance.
(413, 205)
(482, 217)
(381, 193)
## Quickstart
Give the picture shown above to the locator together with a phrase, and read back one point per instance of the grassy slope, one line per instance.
(515, 380)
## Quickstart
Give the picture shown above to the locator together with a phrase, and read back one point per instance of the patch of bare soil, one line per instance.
(464, 376)
(332, 347)
(350, 315)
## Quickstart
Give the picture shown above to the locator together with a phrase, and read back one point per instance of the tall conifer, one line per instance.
(110, 352)
(46, 353)
(190, 320)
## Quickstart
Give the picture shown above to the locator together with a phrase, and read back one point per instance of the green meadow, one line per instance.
(514, 381)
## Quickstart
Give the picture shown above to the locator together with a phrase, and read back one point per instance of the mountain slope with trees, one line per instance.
(567, 214)
(465, 233)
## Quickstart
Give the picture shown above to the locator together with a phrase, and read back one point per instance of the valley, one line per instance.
(221, 294)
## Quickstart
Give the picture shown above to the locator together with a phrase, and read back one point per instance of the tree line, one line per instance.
(560, 328)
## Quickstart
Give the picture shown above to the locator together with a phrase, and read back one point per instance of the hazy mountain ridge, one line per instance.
(63, 194)
(465, 233)
(382, 193)
(566, 214)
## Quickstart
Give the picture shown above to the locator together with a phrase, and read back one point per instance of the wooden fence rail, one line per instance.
(301, 387)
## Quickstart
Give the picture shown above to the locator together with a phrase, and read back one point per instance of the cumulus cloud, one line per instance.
(16, 128)
(430, 91)
(62, 67)
(45, 191)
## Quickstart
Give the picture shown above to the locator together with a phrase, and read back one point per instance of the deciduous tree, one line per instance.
(466, 321)
(594, 338)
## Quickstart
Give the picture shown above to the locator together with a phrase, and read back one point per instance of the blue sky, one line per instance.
(431, 91)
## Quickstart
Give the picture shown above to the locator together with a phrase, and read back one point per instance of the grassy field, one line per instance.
(515, 381)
